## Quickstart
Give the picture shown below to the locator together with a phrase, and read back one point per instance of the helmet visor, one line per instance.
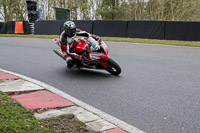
(70, 32)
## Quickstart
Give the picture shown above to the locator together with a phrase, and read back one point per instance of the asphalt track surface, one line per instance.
(157, 91)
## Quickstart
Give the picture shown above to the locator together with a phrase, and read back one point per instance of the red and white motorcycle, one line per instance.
(94, 55)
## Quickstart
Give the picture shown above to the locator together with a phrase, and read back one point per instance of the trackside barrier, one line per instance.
(56, 27)
(85, 25)
(186, 31)
(146, 29)
(47, 27)
(2, 28)
(110, 28)
(163, 30)
(12, 27)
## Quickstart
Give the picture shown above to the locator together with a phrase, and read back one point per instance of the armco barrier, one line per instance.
(146, 29)
(110, 28)
(186, 31)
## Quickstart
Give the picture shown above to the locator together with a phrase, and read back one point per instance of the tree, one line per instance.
(85, 9)
(154, 10)
(13, 10)
(110, 10)
(172, 10)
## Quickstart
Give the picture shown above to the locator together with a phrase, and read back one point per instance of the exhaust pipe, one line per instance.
(59, 53)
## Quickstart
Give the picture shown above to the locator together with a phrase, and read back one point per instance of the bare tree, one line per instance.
(173, 10)
(13, 10)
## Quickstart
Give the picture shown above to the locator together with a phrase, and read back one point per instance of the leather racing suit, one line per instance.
(67, 43)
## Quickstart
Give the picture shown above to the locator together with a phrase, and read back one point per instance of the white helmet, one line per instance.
(70, 28)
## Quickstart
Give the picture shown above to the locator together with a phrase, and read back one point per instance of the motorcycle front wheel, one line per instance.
(112, 67)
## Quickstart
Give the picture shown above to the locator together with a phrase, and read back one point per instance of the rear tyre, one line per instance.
(113, 67)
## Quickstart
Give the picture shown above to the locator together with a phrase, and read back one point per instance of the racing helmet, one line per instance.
(70, 28)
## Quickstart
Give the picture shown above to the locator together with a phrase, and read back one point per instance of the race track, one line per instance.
(157, 91)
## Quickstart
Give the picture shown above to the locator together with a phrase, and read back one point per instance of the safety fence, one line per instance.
(163, 30)
(13, 27)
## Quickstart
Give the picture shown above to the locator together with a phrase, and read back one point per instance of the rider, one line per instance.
(67, 40)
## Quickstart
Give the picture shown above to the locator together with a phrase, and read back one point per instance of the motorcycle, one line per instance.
(94, 55)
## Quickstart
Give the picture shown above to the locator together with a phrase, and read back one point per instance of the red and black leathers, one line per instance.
(67, 43)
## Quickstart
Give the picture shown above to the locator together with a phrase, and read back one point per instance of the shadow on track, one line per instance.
(82, 72)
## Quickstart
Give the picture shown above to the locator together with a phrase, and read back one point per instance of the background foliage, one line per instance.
(172, 10)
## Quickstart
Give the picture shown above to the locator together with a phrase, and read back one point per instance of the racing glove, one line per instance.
(95, 37)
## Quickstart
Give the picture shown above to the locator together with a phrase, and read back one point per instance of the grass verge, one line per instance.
(118, 39)
(58, 124)
(16, 119)
(153, 41)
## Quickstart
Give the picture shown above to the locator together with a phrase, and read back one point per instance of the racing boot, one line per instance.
(70, 62)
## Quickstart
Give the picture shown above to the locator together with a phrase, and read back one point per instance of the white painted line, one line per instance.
(98, 112)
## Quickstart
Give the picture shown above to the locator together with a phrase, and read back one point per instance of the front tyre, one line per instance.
(112, 67)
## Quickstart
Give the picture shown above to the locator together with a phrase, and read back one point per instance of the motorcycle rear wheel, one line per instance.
(113, 67)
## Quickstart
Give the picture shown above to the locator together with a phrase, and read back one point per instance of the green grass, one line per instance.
(16, 119)
(65, 123)
(118, 39)
(153, 41)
